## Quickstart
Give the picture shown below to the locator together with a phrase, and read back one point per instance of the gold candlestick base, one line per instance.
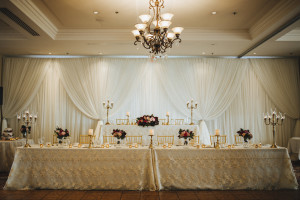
(90, 145)
(27, 145)
(151, 143)
(192, 123)
(274, 146)
(217, 145)
(107, 123)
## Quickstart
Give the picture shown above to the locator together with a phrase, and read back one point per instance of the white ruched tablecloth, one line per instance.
(81, 169)
(294, 146)
(145, 169)
(7, 153)
(234, 169)
(160, 130)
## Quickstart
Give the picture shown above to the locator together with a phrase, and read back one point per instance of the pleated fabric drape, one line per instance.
(231, 93)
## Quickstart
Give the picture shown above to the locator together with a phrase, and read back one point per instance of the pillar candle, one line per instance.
(168, 114)
(151, 132)
(217, 132)
(128, 113)
(91, 131)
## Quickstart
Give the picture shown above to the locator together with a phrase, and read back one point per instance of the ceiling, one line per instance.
(240, 27)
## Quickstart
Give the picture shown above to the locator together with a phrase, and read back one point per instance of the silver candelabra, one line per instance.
(274, 120)
(107, 106)
(191, 106)
(27, 119)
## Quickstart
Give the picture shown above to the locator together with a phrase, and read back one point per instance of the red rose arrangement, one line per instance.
(147, 120)
(245, 134)
(60, 133)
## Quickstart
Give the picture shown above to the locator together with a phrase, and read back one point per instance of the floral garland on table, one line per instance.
(245, 134)
(147, 120)
(186, 134)
(119, 134)
(60, 133)
(24, 131)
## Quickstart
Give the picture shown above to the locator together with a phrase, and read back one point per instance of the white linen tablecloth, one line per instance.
(81, 169)
(224, 169)
(160, 130)
(156, 169)
(7, 153)
(294, 146)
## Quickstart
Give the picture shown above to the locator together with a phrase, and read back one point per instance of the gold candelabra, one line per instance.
(107, 106)
(168, 118)
(128, 115)
(217, 144)
(274, 120)
(27, 120)
(192, 106)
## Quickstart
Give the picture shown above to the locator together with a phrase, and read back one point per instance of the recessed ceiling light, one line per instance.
(50, 53)
(254, 53)
(203, 53)
(96, 12)
(100, 53)
(214, 12)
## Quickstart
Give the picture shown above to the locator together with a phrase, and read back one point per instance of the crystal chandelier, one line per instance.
(158, 39)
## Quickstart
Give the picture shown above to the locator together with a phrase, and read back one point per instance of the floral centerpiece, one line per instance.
(23, 130)
(245, 134)
(147, 120)
(119, 134)
(186, 134)
(60, 133)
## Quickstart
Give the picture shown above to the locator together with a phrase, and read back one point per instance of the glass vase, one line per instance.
(246, 144)
(186, 142)
(60, 142)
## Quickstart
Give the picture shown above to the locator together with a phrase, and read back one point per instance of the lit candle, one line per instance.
(217, 132)
(91, 131)
(187, 102)
(168, 114)
(128, 114)
(18, 116)
(151, 132)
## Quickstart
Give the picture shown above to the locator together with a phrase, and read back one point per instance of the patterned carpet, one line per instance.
(296, 166)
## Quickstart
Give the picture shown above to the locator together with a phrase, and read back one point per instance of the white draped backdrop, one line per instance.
(231, 93)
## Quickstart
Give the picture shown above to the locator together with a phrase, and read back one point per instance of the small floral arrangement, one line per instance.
(60, 133)
(147, 120)
(24, 130)
(186, 134)
(245, 134)
(119, 134)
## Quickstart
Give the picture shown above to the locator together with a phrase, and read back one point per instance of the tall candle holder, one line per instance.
(168, 118)
(91, 142)
(27, 120)
(128, 115)
(151, 142)
(107, 106)
(192, 106)
(274, 119)
(217, 145)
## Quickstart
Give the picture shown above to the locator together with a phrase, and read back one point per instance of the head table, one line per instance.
(142, 168)
(159, 130)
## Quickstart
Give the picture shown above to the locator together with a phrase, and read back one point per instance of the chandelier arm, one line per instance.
(146, 47)
(135, 43)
